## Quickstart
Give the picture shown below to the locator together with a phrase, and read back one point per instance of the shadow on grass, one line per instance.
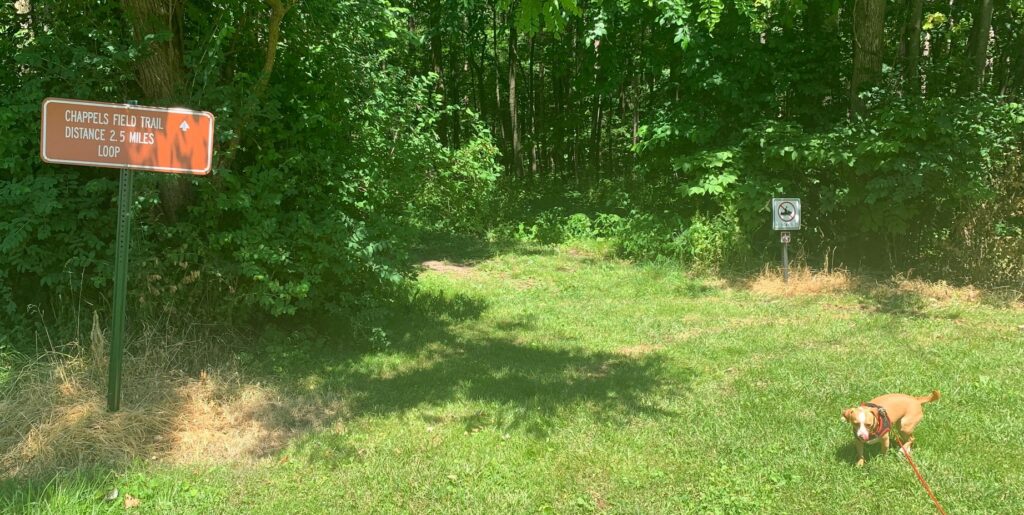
(694, 289)
(892, 301)
(526, 385)
(469, 250)
(531, 386)
(446, 371)
(847, 453)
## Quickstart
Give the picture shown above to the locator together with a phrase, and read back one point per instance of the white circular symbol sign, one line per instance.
(787, 212)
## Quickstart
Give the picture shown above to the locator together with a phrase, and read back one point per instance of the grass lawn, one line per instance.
(555, 379)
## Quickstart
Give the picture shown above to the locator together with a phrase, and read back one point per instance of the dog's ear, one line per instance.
(847, 415)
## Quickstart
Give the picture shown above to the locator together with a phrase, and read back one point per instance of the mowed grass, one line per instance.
(556, 379)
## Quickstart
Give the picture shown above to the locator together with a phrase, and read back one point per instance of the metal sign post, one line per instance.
(785, 218)
(785, 256)
(124, 226)
(122, 244)
(129, 137)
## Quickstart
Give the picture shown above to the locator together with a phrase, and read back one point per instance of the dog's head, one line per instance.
(862, 419)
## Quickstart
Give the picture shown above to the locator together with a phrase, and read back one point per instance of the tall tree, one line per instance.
(160, 70)
(513, 107)
(1015, 75)
(868, 49)
(977, 45)
(160, 73)
(912, 73)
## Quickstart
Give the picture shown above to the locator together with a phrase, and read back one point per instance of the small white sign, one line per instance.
(786, 214)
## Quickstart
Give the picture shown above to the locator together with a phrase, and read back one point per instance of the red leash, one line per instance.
(919, 476)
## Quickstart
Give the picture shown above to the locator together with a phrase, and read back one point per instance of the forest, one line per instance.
(515, 256)
(348, 131)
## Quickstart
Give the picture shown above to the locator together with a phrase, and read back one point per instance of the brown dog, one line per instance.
(872, 420)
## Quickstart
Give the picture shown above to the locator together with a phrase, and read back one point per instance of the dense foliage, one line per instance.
(323, 163)
(344, 127)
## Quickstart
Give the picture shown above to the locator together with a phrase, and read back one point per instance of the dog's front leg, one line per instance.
(860, 452)
(885, 444)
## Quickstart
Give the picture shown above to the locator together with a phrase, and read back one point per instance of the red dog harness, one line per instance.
(884, 425)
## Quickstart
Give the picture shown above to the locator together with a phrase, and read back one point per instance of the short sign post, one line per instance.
(129, 137)
(785, 218)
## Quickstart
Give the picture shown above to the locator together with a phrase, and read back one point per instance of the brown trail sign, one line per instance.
(159, 139)
(129, 137)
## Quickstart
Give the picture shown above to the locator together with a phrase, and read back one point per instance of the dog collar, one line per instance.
(883, 419)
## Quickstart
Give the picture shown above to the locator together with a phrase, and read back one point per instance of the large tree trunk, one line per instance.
(502, 119)
(977, 45)
(595, 136)
(595, 125)
(576, 120)
(912, 73)
(160, 73)
(436, 59)
(513, 115)
(535, 96)
(559, 148)
(635, 90)
(868, 49)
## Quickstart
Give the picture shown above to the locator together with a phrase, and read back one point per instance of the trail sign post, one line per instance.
(785, 218)
(129, 137)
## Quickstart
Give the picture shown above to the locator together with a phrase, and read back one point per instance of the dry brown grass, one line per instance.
(938, 291)
(802, 281)
(53, 414)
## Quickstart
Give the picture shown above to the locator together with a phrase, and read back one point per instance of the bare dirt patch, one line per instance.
(447, 268)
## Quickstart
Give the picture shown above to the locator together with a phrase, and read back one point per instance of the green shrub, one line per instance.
(710, 242)
(459, 194)
(578, 227)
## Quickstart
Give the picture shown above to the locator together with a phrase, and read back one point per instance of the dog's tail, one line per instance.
(929, 398)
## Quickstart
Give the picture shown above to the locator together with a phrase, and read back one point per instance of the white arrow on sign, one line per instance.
(184, 127)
